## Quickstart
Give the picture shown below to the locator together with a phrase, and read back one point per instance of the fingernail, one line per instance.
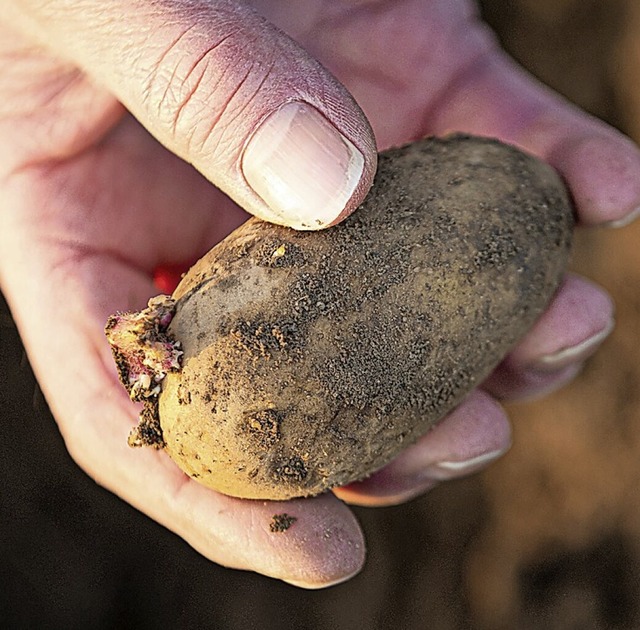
(444, 471)
(302, 167)
(315, 586)
(573, 354)
(624, 221)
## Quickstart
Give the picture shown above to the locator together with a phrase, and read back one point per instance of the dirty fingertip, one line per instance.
(317, 542)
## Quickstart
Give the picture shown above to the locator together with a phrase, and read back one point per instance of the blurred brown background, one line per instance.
(547, 538)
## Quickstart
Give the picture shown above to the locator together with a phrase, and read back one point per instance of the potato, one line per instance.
(311, 359)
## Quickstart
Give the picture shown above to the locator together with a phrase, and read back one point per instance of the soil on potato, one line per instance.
(318, 372)
(548, 538)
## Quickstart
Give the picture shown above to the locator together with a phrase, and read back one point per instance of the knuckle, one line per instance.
(199, 98)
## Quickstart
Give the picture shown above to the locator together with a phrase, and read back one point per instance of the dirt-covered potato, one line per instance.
(297, 361)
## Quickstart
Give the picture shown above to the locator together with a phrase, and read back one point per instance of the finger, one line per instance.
(493, 96)
(227, 92)
(473, 435)
(310, 543)
(578, 320)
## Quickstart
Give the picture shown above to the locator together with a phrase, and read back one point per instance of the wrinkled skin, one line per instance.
(92, 204)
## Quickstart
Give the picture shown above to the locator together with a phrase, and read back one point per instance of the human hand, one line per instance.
(93, 206)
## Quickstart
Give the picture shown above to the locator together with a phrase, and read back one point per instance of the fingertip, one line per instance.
(579, 311)
(311, 543)
(576, 322)
(325, 545)
(602, 169)
(574, 353)
(624, 220)
(510, 384)
(473, 435)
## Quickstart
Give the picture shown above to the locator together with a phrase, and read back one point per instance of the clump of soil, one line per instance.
(281, 523)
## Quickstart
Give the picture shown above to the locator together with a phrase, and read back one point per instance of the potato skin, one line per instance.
(312, 358)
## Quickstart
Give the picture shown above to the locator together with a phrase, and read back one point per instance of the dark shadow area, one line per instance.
(594, 587)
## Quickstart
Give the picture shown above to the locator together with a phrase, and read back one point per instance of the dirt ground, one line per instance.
(549, 537)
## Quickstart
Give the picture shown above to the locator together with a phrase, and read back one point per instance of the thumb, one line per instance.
(225, 90)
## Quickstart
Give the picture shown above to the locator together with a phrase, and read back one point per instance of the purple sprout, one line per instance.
(143, 349)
